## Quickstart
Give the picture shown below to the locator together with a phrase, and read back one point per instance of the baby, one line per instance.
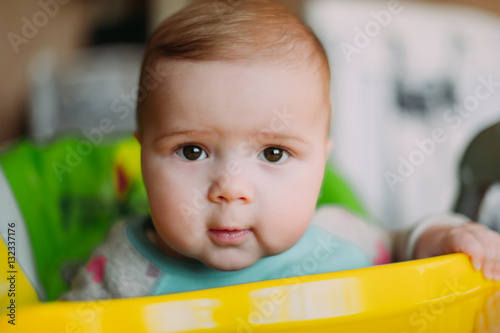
(235, 138)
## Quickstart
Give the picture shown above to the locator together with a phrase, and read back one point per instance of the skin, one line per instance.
(232, 205)
(251, 190)
(478, 242)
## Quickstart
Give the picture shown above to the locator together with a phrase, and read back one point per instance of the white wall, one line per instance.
(428, 47)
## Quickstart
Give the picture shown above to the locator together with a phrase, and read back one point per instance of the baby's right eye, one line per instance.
(191, 153)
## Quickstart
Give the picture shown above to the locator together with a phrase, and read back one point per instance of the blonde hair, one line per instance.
(234, 30)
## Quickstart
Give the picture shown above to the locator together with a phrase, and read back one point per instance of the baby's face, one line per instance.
(233, 157)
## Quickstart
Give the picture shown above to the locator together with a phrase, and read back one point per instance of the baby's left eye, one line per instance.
(274, 155)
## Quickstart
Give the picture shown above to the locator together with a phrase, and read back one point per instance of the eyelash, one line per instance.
(185, 144)
(286, 150)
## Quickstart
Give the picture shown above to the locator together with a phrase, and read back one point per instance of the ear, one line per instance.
(328, 147)
(138, 136)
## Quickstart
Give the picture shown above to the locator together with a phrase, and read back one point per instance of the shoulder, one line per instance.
(116, 269)
(372, 240)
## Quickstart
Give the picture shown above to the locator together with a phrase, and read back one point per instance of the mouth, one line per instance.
(229, 236)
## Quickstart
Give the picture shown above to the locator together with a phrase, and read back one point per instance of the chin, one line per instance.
(230, 265)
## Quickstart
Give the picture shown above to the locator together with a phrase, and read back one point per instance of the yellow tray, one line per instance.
(442, 294)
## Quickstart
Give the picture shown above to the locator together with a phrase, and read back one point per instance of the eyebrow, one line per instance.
(168, 135)
(282, 136)
(267, 135)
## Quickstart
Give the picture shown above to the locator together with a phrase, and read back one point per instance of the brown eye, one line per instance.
(274, 155)
(191, 153)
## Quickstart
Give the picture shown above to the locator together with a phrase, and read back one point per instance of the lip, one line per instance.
(229, 236)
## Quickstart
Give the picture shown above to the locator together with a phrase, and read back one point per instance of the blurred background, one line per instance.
(413, 84)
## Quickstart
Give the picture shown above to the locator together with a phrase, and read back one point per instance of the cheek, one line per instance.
(290, 204)
(299, 201)
(174, 207)
(173, 192)
(304, 185)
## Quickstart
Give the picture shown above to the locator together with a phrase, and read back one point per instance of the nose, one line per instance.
(227, 188)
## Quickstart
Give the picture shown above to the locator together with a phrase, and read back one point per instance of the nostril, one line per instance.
(222, 198)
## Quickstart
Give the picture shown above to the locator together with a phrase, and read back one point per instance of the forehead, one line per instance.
(237, 91)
